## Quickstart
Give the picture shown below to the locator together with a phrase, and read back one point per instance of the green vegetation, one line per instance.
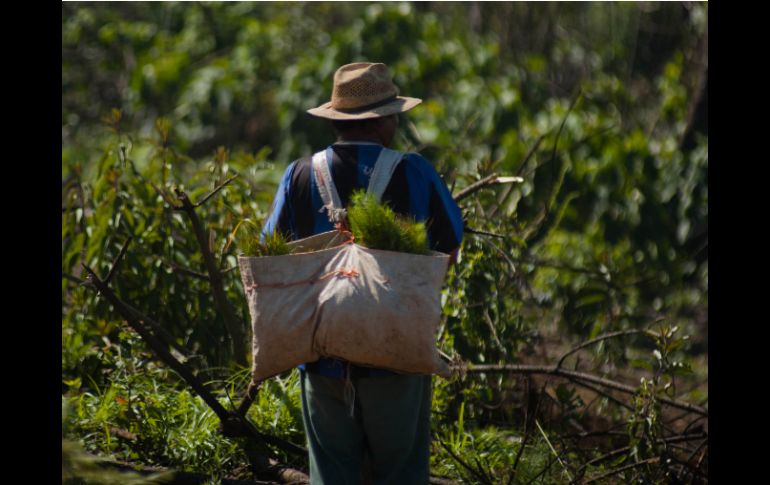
(376, 226)
(600, 107)
(251, 242)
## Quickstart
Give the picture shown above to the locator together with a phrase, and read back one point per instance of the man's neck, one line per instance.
(360, 138)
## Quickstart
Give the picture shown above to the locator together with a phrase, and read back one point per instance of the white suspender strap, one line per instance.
(326, 187)
(383, 171)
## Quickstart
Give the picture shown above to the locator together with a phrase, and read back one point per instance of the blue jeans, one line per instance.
(390, 424)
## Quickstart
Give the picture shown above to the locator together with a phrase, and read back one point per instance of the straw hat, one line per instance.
(363, 90)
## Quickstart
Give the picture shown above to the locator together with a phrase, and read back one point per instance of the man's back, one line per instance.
(415, 190)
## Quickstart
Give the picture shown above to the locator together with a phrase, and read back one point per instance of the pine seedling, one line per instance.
(376, 226)
(251, 243)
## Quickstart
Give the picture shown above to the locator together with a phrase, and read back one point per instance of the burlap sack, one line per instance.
(369, 307)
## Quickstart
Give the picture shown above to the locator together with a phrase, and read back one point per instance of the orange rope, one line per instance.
(343, 273)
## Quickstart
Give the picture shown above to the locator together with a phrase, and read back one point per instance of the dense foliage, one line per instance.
(598, 107)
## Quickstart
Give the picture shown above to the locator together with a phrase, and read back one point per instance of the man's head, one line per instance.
(365, 102)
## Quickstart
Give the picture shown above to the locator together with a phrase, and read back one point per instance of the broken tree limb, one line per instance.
(228, 418)
(248, 399)
(155, 344)
(576, 377)
(234, 328)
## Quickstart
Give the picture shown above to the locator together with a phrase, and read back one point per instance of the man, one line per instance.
(390, 422)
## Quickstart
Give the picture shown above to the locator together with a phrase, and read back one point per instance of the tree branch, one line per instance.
(117, 261)
(625, 449)
(236, 332)
(606, 337)
(213, 192)
(648, 461)
(179, 269)
(576, 377)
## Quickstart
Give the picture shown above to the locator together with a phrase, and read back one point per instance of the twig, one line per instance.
(164, 196)
(607, 395)
(606, 337)
(220, 187)
(558, 134)
(527, 426)
(531, 152)
(482, 233)
(578, 378)
(72, 278)
(620, 451)
(493, 331)
(519, 171)
(117, 261)
(179, 269)
(553, 450)
(547, 467)
(648, 461)
(442, 481)
(493, 179)
(461, 462)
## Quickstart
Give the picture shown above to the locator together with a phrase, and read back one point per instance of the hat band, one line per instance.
(368, 106)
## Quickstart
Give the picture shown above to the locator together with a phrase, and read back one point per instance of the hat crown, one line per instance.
(362, 84)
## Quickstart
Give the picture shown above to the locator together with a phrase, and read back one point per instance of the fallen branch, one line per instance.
(229, 419)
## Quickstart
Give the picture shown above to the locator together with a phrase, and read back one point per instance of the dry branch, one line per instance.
(577, 378)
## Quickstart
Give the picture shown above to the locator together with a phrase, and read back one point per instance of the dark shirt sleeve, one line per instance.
(444, 220)
(445, 224)
(281, 217)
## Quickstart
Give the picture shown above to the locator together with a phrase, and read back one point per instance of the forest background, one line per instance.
(601, 109)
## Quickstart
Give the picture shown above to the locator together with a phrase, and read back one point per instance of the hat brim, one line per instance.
(398, 105)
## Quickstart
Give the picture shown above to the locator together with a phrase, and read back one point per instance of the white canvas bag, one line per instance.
(338, 299)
